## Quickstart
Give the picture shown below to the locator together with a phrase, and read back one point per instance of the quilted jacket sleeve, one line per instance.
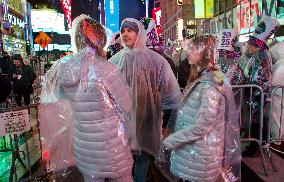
(206, 119)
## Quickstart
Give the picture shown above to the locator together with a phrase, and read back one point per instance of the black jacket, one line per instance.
(23, 84)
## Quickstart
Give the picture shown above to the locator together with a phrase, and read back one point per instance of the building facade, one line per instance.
(171, 16)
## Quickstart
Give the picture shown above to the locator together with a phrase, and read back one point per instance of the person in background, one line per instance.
(5, 63)
(5, 87)
(154, 88)
(258, 70)
(23, 78)
(183, 70)
(115, 45)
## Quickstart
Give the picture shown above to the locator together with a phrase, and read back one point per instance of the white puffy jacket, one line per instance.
(98, 150)
(277, 52)
(198, 138)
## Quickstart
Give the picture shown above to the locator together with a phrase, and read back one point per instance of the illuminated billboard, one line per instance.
(66, 6)
(204, 8)
(112, 14)
(157, 16)
(47, 20)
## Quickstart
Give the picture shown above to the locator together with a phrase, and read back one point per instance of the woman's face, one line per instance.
(251, 49)
(129, 37)
(194, 55)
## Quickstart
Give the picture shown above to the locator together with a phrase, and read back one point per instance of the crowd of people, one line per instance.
(117, 114)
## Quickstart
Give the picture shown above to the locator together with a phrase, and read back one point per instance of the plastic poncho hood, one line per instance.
(140, 43)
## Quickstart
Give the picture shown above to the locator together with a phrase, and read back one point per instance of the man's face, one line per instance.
(129, 37)
(17, 63)
(251, 49)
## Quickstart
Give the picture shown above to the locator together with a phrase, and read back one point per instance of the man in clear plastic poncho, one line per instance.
(154, 88)
(84, 107)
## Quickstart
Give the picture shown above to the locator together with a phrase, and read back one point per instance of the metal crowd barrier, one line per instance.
(246, 107)
(275, 122)
(17, 121)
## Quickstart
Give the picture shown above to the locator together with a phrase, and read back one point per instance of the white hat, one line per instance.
(265, 28)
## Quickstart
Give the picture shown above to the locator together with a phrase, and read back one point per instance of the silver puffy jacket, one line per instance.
(198, 138)
(98, 149)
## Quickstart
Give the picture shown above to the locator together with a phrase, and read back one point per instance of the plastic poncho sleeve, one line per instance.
(170, 91)
(206, 119)
(56, 120)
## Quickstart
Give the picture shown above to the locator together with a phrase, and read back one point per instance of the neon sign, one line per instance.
(157, 16)
(66, 6)
(112, 14)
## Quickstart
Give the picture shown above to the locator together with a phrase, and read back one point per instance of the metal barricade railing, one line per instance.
(248, 102)
(276, 120)
(14, 147)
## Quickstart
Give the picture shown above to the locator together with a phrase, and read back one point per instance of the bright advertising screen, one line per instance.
(204, 8)
(112, 14)
(47, 21)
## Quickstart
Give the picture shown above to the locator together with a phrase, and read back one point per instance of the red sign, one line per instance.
(43, 39)
(66, 6)
(246, 12)
(157, 16)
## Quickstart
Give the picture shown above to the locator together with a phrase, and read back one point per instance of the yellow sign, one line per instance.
(17, 5)
(43, 39)
(209, 8)
(204, 8)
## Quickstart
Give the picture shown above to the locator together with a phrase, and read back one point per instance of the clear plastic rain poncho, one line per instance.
(204, 144)
(154, 88)
(84, 111)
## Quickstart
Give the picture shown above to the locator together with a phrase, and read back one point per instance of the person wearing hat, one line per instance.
(154, 89)
(22, 77)
(258, 70)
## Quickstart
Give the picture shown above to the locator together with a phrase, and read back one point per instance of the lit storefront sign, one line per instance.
(157, 15)
(112, 14)
(179, 29)
(204, 8)
(66, 6)
(199, 8)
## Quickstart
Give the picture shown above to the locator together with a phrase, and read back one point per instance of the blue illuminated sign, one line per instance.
(112, 14)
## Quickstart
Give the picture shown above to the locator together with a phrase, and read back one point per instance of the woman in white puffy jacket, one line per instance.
(197, 140)
(100, 99)
(277, 52)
